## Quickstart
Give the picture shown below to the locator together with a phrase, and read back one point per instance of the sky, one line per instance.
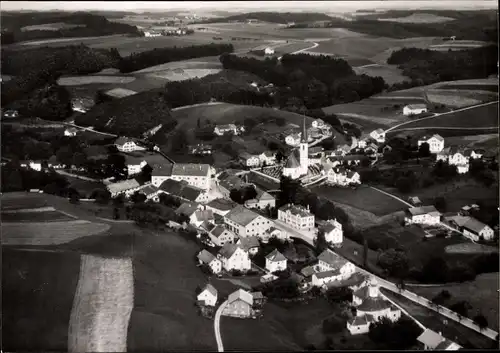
(322, 6)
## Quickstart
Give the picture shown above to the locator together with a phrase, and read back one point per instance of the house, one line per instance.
(82, 105)
(188, 209)
(293, 139)
(208, 295)
(267, 158)
(52, 162)
(330, 261)
(262, 200)
(221, 206)
(370, 306)
(415, 201)
(422, 215)
(414, 109)
(183, 191)
(200, 149)
(151, 34)
(239, 304)
(435, 142)
(477, 230)
(296, 216)
(258, 298)
(341, 150)
(245, 223)
(11, 114)
(134, 164)
(35, 165)
(70, 131)
(274, 232)
(378, 135)
(431, 340)
(126, 187)
(333, 232)
(318, 123)
(233, 257)
(220, 235)
(314, 133)
(125, 144)
(202, 216)
(343, 177)
(249, 244)
(269, 51)
(319, 279)
(229, 183)
(227, 128)
(151, 192)
(455, 156)
(249, 160)
(197, 175)
(275, 261)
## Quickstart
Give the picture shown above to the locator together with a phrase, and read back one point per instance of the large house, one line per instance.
(296, 216)
(333, 232)
(70, 131)
(435, 142)
(330, 261)
(197, 175)
(423, 215)
(207, 258)
(221, 206)
(269, 51)
(183, 191)
(233, 257)
(250, 244)
(220, 235)
(208, 295)
(262, 200)
(477, 230)
(293, 139)
(342, 177)
(239, 304)
(274, 232)
(431, 340)
(318, 123)
(275, 261)
(267, 158)
(459, 157)
(245, 223)
(370, 307)
(249, 160)
(378, 135)
(126, 187)
(125, 144)
(414, 109)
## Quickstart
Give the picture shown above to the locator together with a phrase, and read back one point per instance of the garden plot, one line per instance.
(93, 79)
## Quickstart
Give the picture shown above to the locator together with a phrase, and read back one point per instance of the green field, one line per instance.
(389, 73)
(47, 216)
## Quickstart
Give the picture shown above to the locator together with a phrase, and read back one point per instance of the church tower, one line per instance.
(304, 152)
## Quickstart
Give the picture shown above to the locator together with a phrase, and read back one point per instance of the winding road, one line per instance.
(302, 50)
(218, 338)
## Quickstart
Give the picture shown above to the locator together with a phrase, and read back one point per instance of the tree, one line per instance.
(481, 321)
(119, 200)
(138, 197)
(179, 141)
(116, 213)
(65, 155)
(146, 172)
(435, 270)
(101, 196)
(365, 252)
(339, 294)
(424, 150)
(333, 324)
(289, 189)
(405, 184)
(401, 334)
(74, 197)
(115, 165)
(440, 203)
(462, 307)
(279, 156)
(394, 262)
(320, 242)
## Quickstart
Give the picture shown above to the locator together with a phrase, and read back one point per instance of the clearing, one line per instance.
(50, 27)
(481, 293)
(91, 79)
(390, 73)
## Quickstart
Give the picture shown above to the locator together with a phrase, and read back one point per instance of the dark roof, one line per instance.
(206, 257)
(373, 304)
(474, 225)
(327, 274)
(362, 293)
(180, 189)
(218, 230)
(248, 243)
(358, 321)
(293, 160)
(430, 338)
(187, 208)
(222, 204)
(162, 170)
(228, 250)
(232, 182)
(275, 256)
(242, 215)
(308, 271)
(332, 259)
(190, 169)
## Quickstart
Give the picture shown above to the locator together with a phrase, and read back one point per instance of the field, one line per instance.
(20, 201)
(480, 293)
(363, 197)
(46, 216)
(390, 73)
(85, 187)
(51, 27)
(452, 330)
(470, 248)
(210, 62)
(91, 79)
(418, 18)
(183, 74)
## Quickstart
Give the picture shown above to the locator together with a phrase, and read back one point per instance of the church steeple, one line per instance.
(304, 131)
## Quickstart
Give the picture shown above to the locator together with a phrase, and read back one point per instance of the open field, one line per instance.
(418, 18)
(90, 79)
(85, 187)
(183, 74)
(198, 63)
(51, 27)
(458, 45)
(470, 248)
(47, 216)
(390, 73)
(481, 293)
(22, 200)
(452, 330)
(363, 197)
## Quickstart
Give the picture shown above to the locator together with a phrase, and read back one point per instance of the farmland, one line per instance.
(418, 18)
(389, 73)
(470, 248)
(46, 216)
(51, 27)
(90, 79)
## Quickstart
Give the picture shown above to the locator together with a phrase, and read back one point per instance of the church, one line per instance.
(297, 163)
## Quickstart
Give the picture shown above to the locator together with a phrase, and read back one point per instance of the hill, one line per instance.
(274, 17)
(129, 116)
(89, 25)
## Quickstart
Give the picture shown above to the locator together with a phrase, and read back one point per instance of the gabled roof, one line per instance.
(332, 259)
(296, 210)
(245, 155)
(379, 131)
(248, 243)
(308, 271)
(219, 230)
(416, 106)
(257, 295)
(435, 136)
(222, 204)
(206, 257)
(327, 274)
(331, 225)
(430, 338)
(204, 215)
(241, 215)
(374, 304)
(149, 190)
(275, 256)
(122, 186)
(416, 211)
(474, 225)
(351, 174)
(228, 250)
(189, 169)
(263, 195)
(162, 170)
(180, 189)
(123, 140)
(187, 209)
(211, 289)
(242, 295)
(358, 321)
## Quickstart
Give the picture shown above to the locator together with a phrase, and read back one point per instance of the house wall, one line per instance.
(296, 221)
(273, 266)
(215, 266)
(238, 308)
(423, 219)
(357, 330)
(335, 236)
(208, 298)
(202, 182)
(239, 261)
(225, 237)
(255, 228)
(435, 145)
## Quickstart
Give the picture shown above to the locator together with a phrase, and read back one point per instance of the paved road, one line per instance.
(440, 114)
(218, 338)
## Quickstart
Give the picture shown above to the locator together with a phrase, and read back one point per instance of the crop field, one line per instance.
(470, 248)
(198, 63)
(19, 201)
(363, 198)
(475, 87)
(390, 73)
(91, 79)
(183, 74)
(481, 293)
(418, 18)
(50, 27)
(458, 45)
(47, 216)
(36, 233)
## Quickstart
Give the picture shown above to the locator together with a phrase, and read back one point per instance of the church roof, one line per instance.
(304, 131)
(293, 160)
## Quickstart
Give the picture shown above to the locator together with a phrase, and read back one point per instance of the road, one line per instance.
(301, 50)
(445, 128)
(438, 115)
(218, 337)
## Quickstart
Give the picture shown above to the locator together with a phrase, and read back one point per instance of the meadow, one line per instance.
(91, 79)
(47, 216)
(390, 73)
(470, 248)
(51, 27)
(418, 18)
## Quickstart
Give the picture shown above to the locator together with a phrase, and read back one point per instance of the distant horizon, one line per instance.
(239, 6)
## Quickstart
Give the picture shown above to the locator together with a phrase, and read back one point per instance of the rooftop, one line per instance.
(416, 106)
(474, 225)
(190, 169)
(332, 259)
(327, 274)
(241, 215)
(222, 204)
(374, 304)
(430, 338)
(206, 257)
(240, 294)
(211, 289)
(416, 211)
(122, 186)
(162, 170)
(293, 160)
(228, 250)
(187, 208)
(296, 210)
(248, 243)
(275, 256)
(218, 230)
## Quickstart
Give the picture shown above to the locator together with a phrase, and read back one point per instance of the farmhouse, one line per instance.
(333, 232)
(233, 257)
(274, 232)
(296, 216)
(220, 235)
(435, 142)
(370, 307)
(125, 144)
(477, 230)
(249, 244)
(422, 215)
(249, 160)
(208, 295)
(126, 187)
(197, 175)
(152, 34)
(268, 51)
(320, 279)
(378, 135)
(151, 192)
(229, 183)
(414, 109)
(262, 200)
(239, 304)
(183, 191)
(318, 123)
(227, 128)
(10, 114)
(415, 201)
(207, 258)
(188, 209)
(456, 156)
(275, 261)
(70, 131)
(200, 217)
(244, 222)
(330, 261)
(221, 206)
(431, 340)
(341, 150)
(53, 163)
(267, 158)
(343, 177)
(200, 149)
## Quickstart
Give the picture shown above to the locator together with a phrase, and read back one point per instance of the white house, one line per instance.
(126, 187)
(318, 123)
(233, 257)
(35, 165)
(267, 158)
(249, 244)
(125, 144)
(245, 223)
(221, 206)
(249, 160)
(456, 156)
(227, 128)
(188, 209)
(151, 34)
(423, 215)
(343, 177)
(197, 175)
(293, 139)
(274, 232)
(333, 232)
(477, 230)
(378, 135)
(208, 295)
(435, 142)
(151, 192)
(296, 216)
(330, 261)
(262, 200)
(319, 279)
(220, 235)
(414, 109)
(431, 340)
(268, 51)
(275, 261)
(70, 131)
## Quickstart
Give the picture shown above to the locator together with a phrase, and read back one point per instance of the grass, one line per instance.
(481, 293)
(418, 18)
(363, 197)
(389, 73)
(198, 63)
(47, 216)
(470, 248)
(452, 330)
(91, 79)
(22, 200)
(85, 187)
(181, 74)
(50, 27)
(481, 87)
